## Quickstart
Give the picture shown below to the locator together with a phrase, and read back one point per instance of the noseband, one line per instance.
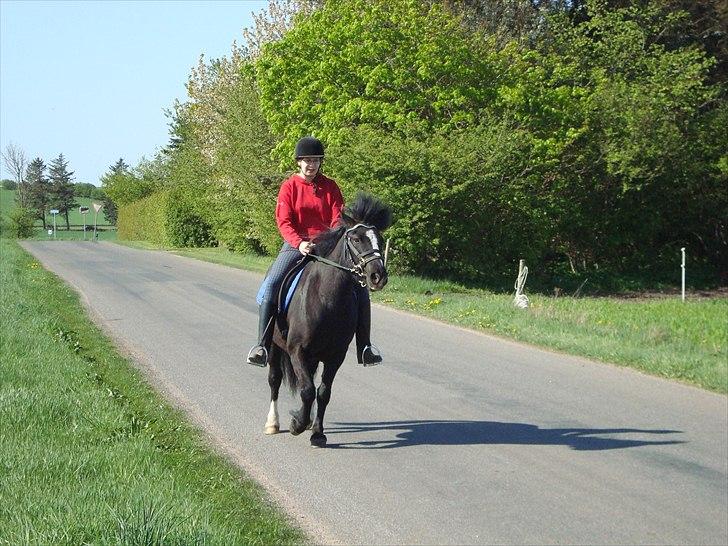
(359, 259)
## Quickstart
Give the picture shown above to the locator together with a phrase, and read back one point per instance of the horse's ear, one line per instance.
(346, 220)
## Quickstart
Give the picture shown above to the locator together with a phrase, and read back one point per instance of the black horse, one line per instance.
(322, 314)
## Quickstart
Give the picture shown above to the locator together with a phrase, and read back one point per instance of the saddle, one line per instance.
(285, 294)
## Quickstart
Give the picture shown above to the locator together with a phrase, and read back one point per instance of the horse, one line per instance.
(322, 313)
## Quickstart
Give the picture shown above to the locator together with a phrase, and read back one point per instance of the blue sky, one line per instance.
(91, 79)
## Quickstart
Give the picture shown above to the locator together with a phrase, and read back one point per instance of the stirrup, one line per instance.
(370, 356)
(256, 359)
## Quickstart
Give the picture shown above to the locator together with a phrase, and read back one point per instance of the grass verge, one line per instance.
(662, 336)
(89, 452)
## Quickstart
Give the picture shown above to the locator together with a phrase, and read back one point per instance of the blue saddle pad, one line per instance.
(292, 289)
(264, 287)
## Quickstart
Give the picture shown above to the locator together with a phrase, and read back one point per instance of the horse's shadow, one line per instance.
(392, 434)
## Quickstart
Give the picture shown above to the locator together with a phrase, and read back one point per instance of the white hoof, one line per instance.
(272, 429)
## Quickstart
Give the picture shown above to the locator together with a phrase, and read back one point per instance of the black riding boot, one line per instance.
(258, 355)
(366, 353)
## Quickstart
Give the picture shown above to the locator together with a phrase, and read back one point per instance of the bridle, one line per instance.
(359, 259)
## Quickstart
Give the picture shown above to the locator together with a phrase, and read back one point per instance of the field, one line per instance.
(105, 231)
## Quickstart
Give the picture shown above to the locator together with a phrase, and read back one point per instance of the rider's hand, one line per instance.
(305, 247)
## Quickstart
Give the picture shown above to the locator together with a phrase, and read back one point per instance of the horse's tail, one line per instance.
(289, 375)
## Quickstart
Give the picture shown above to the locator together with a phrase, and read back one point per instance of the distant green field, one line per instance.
(105, 231)
(7, 202)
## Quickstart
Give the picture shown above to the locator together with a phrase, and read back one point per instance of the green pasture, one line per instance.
(7, 201)
(89, 452)
(105, 231)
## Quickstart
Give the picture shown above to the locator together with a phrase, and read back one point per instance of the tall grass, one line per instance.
(89, 453)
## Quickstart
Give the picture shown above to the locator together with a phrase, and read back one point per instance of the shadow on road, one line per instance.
(391, 434)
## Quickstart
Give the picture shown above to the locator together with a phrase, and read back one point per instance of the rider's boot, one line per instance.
(366, 353)
(258, 355)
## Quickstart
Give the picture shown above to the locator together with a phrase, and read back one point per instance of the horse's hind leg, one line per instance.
(318, 438)
(275, 375)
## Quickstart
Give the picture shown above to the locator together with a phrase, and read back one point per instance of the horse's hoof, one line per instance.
(295, 427)
(318, 440)
(272, 429)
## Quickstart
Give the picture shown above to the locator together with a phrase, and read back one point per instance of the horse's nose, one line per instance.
(378, 279)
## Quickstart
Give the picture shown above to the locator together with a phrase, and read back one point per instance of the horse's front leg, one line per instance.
(301, 418)
(275, 376)
(318, 438)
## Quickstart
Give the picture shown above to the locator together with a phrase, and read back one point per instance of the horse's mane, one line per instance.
(326, 241)
(365, 209)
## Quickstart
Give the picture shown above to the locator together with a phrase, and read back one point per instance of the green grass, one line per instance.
(89, 452)
(661, 336)
(76, 234)
(7, 201)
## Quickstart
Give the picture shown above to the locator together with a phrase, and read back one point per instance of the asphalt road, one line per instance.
(460, 438)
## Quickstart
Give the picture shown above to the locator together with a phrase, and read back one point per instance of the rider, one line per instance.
(308, 204)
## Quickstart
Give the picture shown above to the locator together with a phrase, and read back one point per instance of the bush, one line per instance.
(20, 223)
(467, 205)
(145, 220)
(184, 226)
(166, 219)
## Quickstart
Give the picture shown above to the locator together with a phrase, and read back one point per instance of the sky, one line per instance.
(91, 79)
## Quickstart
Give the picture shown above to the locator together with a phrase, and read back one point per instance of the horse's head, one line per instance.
(365, 248)
(365, 220)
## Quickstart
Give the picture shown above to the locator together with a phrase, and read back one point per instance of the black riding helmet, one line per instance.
(309, 147)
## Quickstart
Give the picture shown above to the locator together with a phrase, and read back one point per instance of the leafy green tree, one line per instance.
(399, 65)
(188, 215)
(39, 189)
(62, 193)
(629, 132)
(247, 179)
(8, 184)
(122, 186)
(83, 189)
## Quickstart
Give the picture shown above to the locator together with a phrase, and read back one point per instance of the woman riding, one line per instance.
(308, 204)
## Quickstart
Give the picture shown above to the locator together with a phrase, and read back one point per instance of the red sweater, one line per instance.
(302, 214)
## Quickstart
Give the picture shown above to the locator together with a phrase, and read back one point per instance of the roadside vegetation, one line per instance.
(89, 453)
